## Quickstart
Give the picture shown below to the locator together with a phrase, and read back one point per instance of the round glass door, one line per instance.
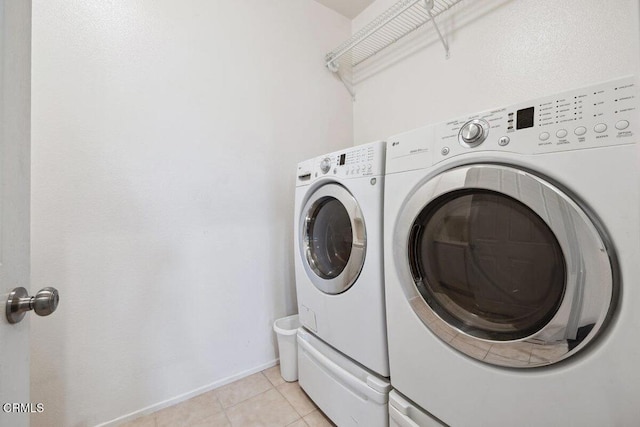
(333, 239)
(503, 266)
(330, 237)
(488, 264)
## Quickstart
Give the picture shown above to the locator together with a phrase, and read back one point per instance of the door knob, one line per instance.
(19, 302)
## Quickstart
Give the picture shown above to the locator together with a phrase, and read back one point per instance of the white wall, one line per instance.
(165, 138)
(502, 51)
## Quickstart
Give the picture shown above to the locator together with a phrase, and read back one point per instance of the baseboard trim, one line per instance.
(186, 396)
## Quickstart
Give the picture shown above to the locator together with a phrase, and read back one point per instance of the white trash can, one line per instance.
(286, 329)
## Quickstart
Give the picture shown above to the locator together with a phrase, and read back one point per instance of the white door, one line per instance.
(15, 96)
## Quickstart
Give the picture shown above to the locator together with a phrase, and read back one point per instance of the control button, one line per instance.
(445, 151)
(544, 136)
(503, 141)
(561, 133)
(600, 127)
(622, 125)
(580, 130)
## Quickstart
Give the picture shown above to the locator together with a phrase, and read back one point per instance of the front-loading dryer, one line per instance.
(343, 359)
(512, 240)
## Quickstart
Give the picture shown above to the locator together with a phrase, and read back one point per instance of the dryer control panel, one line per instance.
(600, 115)
(355, 162)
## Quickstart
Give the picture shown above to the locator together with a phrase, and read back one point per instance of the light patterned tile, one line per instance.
(318, 419)
(445, 334)
(243, 389)
(297, 398)
(483, 345)
(519, 352)
(218, 420)
(190, 411)
(299, 423)
(461, 343)
(500, 360)
(547, 354)
(173, 416)
(273, 375)
(146, 421)
(268, 409)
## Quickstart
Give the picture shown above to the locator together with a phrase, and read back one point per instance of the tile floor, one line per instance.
(263, 399)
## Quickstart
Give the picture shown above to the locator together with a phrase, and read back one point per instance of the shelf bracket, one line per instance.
(335, 69)
(428, 5)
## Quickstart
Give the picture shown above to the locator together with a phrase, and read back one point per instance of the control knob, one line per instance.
(325, 165)
(473, 133)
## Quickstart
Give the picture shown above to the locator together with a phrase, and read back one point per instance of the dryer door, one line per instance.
(332, 239)
(504, 266)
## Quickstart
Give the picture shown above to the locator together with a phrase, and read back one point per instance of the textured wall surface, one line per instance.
(165, 141)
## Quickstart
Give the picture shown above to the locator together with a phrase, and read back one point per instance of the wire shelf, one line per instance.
(398, 21)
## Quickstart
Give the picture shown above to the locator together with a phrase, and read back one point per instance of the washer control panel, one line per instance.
(360, 161)
(600, 115)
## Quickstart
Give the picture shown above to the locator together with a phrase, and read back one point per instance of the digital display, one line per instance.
(524, 118)
(342, 159)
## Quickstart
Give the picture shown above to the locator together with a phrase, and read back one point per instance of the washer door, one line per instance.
(332, 239)
(503, 266)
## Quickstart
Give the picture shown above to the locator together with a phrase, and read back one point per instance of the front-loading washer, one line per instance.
(512, 240)
(343, 359)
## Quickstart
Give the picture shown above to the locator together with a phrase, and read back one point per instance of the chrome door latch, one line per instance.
(19, 302)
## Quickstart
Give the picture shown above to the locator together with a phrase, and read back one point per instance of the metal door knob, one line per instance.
(19, 302)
